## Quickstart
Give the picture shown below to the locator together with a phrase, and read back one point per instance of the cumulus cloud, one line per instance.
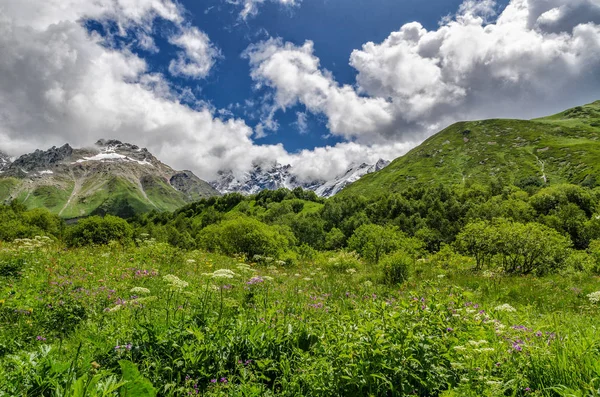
(199, 54)
(330, 161)
(295, 75)
(417, 80)
(59, 84)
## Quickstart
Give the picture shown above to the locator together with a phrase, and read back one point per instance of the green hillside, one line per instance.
(556, 149)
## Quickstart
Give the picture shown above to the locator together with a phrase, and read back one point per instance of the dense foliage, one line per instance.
(155, 320)
(478, 290)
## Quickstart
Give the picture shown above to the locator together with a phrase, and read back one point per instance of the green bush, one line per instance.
(100, 231)
(519, 248)
(372, 242)
(341, 262)
(396, 267)
(243, 235)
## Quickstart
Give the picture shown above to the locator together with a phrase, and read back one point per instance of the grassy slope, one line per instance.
(104, 193)
(567, 144)
(6, 186)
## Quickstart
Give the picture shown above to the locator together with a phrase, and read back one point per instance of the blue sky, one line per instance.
(336, 27)
(216, 85)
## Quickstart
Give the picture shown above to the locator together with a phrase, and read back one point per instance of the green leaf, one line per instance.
(137, 385)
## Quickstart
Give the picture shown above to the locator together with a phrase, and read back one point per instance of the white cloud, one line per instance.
(416, 80)
(250, 7)
(302, 122)
(199, 54)
(295, 75)
(59, 84)
(331, 161)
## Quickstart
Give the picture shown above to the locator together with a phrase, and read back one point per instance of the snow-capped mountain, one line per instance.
(333, 187)
(110, 177)
(277, 176)
(261, 177)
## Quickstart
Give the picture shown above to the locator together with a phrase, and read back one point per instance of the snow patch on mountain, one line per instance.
(352, 175)
(274, 176)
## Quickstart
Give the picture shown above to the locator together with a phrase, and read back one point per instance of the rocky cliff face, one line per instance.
(110, 177)
(39, 160)
(275, 176)
(5, 161)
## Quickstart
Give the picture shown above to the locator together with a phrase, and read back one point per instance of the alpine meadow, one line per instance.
(486, 285)
(299, 198)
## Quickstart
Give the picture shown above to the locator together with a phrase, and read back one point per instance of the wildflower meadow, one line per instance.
(152, 320)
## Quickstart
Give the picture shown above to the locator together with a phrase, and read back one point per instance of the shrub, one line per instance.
(521, 248)
(342, 261)
(335, 239)
(100, 231)
(396, 267)
(373, 241)
(447, 258)
(243, 235)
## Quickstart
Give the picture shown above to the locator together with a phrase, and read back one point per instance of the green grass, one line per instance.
(305, 330)
(480, 151)
(7, 185)
(50, 197)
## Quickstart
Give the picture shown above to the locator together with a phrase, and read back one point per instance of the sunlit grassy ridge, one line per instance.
(560, 148)
(197, 323)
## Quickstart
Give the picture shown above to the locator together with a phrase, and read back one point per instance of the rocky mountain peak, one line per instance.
(274, 176)
(41, 159)
(5, 161)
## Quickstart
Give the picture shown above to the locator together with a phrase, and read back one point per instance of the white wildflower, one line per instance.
(223, 273)
(307, 279)
(351, 271)
(594, 297)
(176, 282)
(460, 348)
(505, 308)
(493, 383)
(242, 267)
(441, 275)
(139, 291)
(477, 342)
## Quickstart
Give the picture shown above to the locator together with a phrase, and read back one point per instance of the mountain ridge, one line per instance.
(110, 177)
(275, 175)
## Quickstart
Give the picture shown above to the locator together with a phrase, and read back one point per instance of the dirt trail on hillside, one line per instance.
(76, 189)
